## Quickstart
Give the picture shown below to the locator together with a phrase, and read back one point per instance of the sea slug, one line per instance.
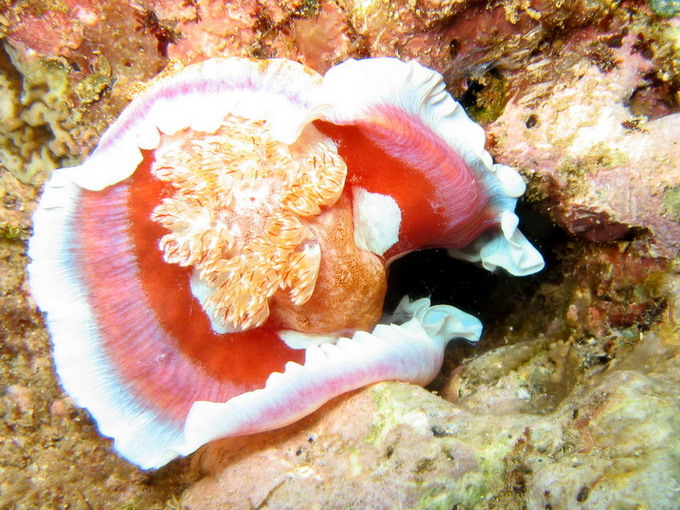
(217, 266)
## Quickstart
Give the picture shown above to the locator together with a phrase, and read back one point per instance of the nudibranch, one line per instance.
(217, 266)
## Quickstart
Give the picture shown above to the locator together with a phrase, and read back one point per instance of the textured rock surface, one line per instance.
(571, 418)
(57, 61)
(312, 32)
(614, 441)
(52, 456)
(571, 400)
(605, 171)
(461, 37)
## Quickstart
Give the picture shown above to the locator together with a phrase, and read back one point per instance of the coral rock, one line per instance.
(606, 173)
(375, 448)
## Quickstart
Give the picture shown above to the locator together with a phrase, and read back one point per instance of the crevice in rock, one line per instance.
(489, 296)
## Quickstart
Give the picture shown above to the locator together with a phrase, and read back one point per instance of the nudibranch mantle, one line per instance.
(217, 266)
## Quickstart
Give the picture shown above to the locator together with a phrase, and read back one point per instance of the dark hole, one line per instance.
(488, 296)
(439, 432)
(454, 48)
(582, 494)
(469, 97)
(654, 99)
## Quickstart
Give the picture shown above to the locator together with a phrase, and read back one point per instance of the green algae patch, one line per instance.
(12, 232)
(40, 7)
(578, 170)
(393, 408)
(486, 98)
(466, 492)
(597, 157)
(448, 476)
(671, 202)
(94, 85)
(36, 132)
(665, 8)
(308, 8)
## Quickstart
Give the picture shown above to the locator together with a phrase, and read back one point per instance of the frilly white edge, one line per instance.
(345, 94)
(200, 96)
(508, 249)
(84, 369)
(411, 352)
(351, 89)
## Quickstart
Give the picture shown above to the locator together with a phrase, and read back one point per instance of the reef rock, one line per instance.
(611, 442)
(604, 172)
(570, 401)
(51, 455)
(574, 402)
(580, 414)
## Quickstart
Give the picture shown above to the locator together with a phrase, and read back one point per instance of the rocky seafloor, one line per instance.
(571, 399)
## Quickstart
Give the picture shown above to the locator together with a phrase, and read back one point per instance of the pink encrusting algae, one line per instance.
(217, 267)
